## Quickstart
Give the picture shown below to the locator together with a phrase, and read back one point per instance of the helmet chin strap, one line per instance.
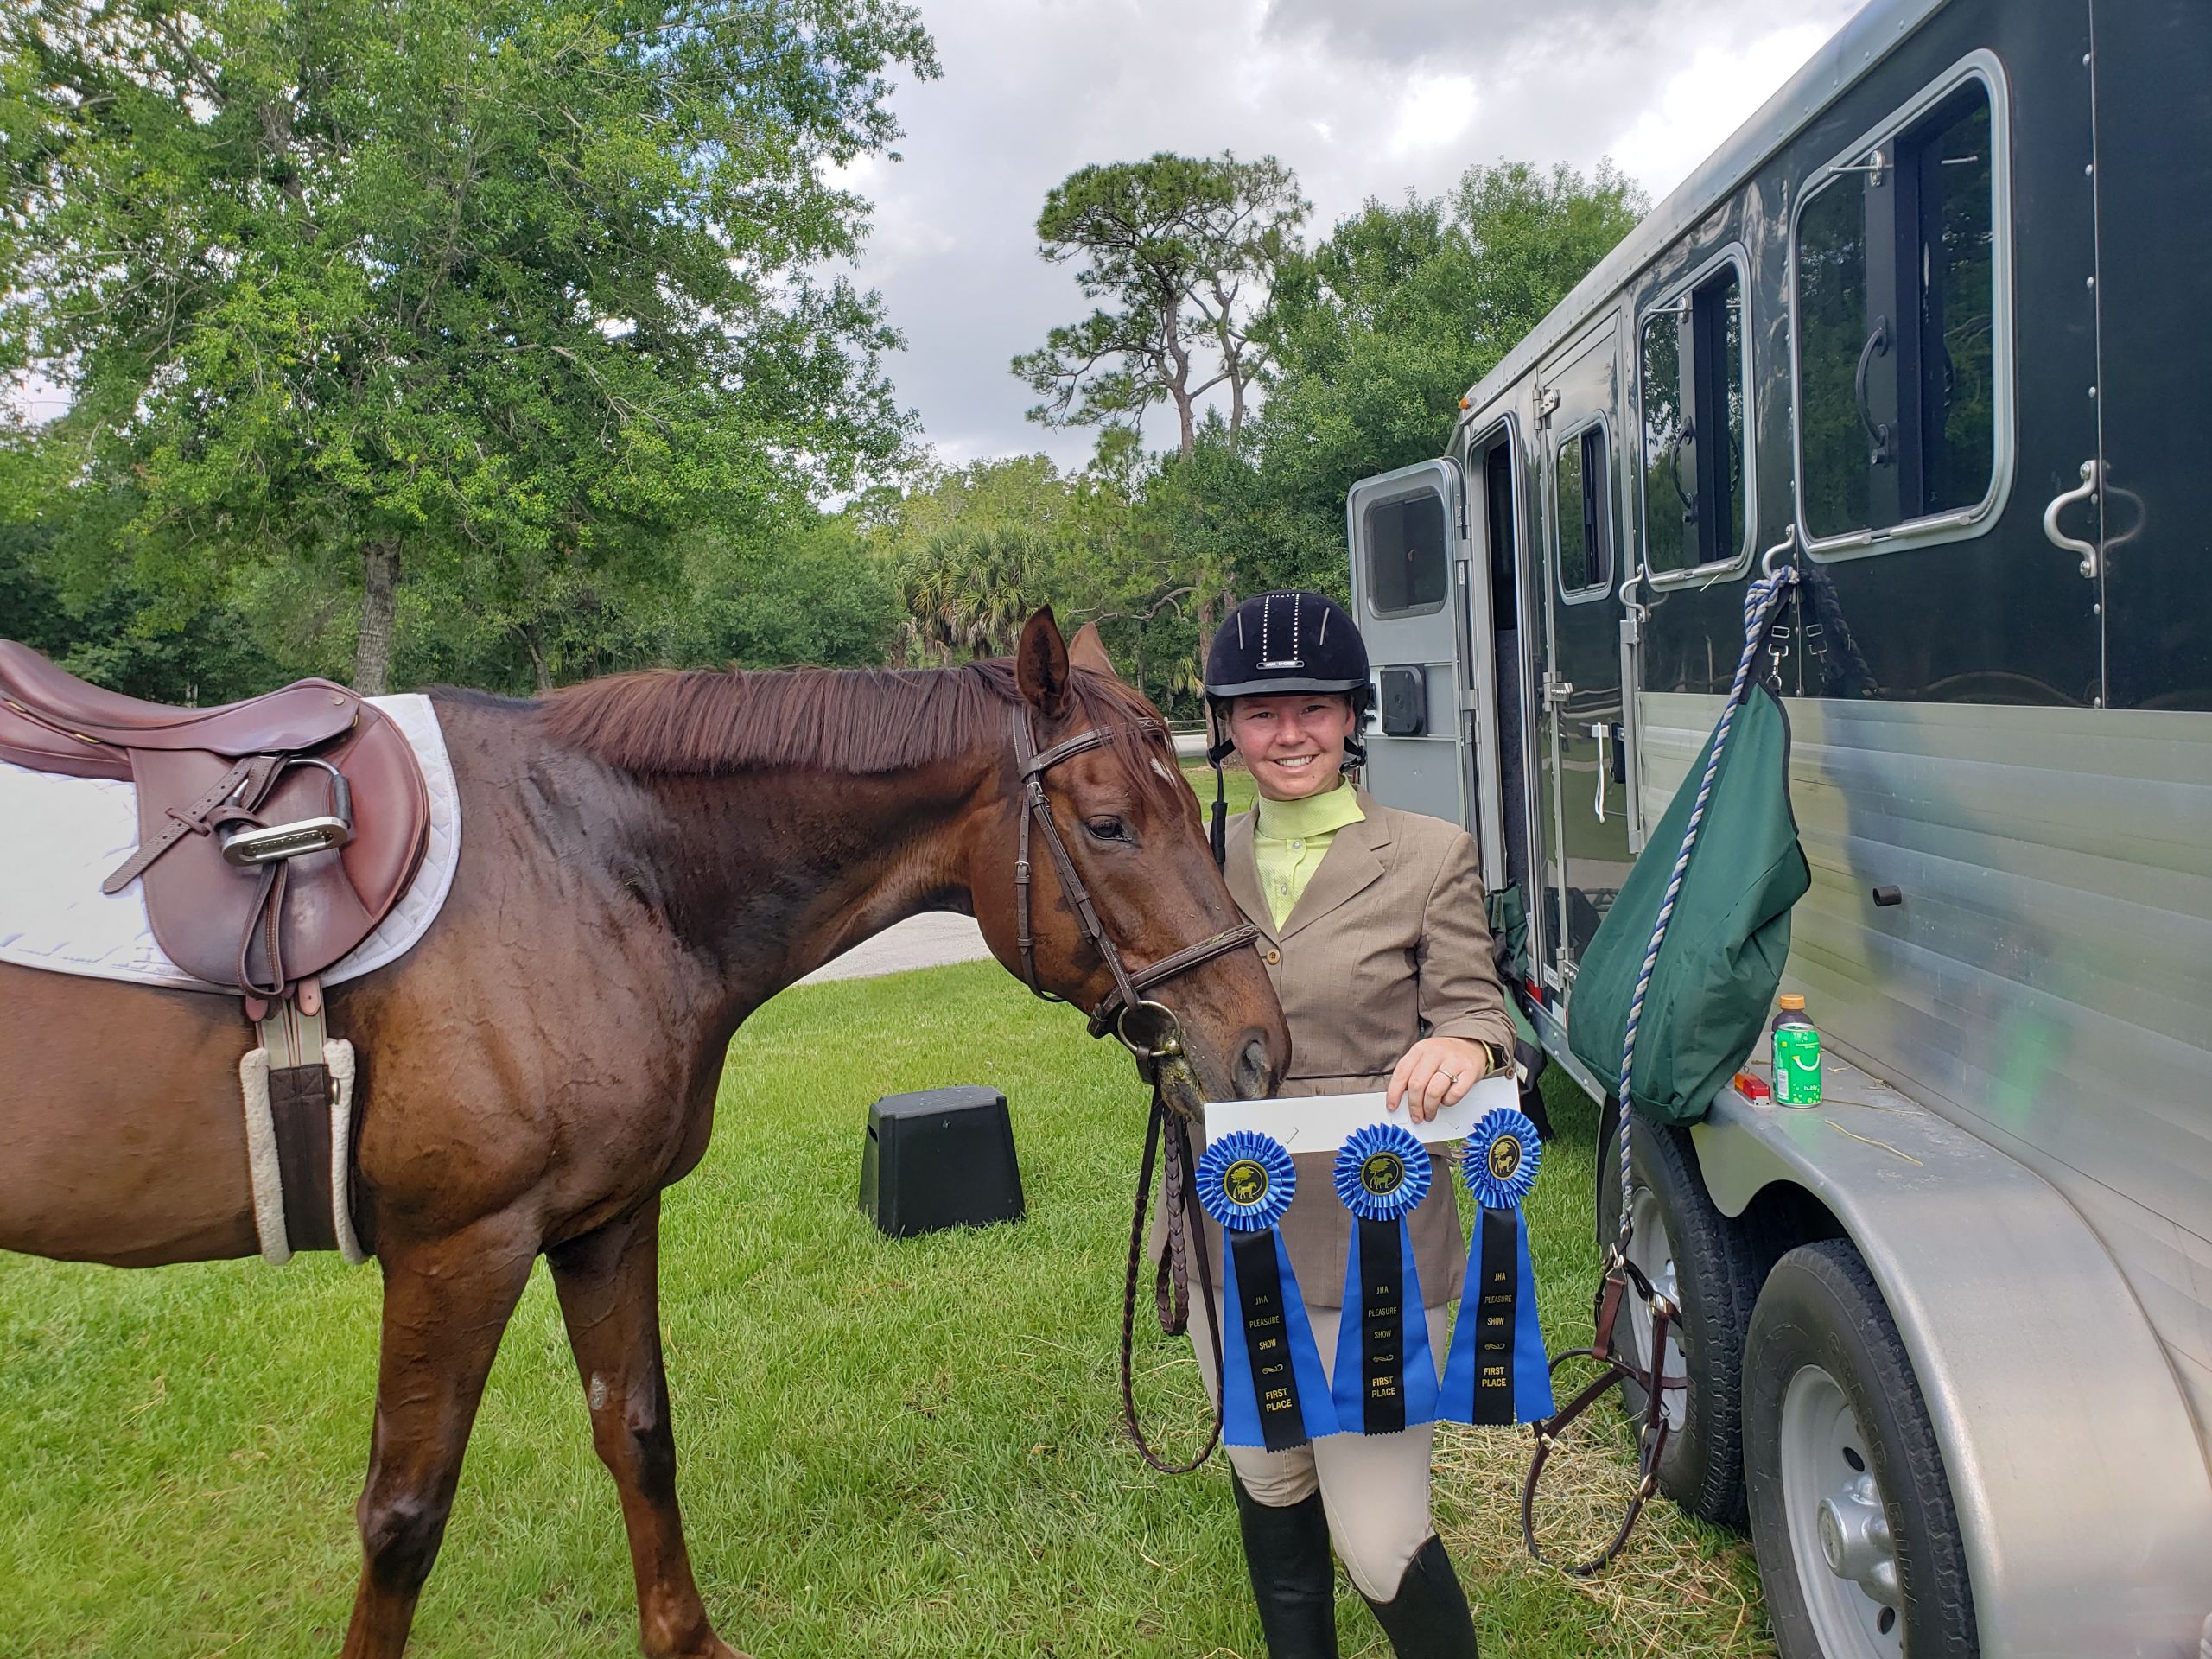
(1217, 751)
(1215, 756)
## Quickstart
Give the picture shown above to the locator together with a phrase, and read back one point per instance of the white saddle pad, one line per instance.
(65, 836)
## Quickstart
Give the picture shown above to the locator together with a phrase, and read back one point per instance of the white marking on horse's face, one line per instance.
(1160, 767)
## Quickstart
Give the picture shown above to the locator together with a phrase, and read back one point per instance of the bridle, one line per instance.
(1150, 1032)
(1156, 1032)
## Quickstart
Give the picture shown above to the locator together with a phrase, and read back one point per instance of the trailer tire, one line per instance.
(1846, 1483)
(1704, 1261)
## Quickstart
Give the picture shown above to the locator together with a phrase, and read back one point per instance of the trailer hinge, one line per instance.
(1556, 690)
(1547, 404)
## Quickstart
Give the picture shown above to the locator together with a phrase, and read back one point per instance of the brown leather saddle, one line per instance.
(273, 834)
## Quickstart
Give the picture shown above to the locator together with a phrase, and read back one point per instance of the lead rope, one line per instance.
(1172, 1293)
(1761, 601)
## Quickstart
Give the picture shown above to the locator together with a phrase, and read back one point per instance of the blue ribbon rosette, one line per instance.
(1497, 1372)
(1274, 1393)
(1385, 1377)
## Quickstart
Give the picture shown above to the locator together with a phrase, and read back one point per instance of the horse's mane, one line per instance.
(710, 722)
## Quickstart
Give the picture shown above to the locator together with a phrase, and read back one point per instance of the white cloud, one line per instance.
(1436, 110)
(1361, 99)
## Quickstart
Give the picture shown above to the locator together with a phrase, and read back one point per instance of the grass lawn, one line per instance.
(889, 1447)
(1236, 785)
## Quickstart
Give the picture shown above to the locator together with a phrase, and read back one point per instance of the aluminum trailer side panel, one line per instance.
(2086, 1535)
(2043, 987)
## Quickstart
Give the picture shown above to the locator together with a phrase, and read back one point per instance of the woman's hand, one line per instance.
(1434, 1073)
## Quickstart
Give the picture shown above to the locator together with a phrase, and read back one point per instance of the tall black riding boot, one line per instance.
(1286, 1551)
(1429, 1616)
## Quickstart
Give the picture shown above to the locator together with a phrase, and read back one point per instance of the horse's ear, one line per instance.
(1088, 650)
(1040, 664)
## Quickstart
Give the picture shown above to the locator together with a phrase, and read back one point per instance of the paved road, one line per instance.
(926, 941)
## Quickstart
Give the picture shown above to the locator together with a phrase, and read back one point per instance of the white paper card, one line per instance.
(1324, 1122)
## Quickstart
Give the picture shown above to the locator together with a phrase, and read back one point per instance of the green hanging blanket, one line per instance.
(1726, 943)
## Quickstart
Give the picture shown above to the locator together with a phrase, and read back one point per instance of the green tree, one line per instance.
(812, 595)
(1184, 249)
(1384, 325)
(479, 305)
(971, 588)
(1375, 333)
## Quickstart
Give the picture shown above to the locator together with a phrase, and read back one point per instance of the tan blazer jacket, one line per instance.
(1388, 944)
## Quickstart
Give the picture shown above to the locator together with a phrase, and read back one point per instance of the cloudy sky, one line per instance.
(1361, 97)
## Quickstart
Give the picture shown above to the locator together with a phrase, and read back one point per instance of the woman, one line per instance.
(1373, 931)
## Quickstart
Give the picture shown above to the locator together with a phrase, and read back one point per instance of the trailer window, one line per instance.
(1498, 523)
(1895, 296)
(1582, 515)
(1408, 565)
(1692, 383)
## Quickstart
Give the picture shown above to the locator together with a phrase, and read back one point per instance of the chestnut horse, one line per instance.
(644, 861)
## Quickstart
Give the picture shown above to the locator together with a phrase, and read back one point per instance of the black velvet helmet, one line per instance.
(1281, 642)
(1273, 643)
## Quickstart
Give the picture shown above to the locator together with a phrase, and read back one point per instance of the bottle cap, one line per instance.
(1791, 1002)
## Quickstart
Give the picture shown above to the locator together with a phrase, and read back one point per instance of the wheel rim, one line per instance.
(1653, 1252)
(1839, 1526)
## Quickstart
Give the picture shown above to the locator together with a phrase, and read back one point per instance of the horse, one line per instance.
(646, 860)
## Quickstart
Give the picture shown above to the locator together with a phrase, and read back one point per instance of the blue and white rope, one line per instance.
(1760, 602)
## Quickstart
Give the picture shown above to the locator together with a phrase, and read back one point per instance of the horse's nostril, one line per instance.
(1255, 1075)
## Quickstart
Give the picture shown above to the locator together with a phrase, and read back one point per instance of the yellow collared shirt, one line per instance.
(1289, 839)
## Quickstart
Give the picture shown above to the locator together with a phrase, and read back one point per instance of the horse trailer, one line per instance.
(1929, 328)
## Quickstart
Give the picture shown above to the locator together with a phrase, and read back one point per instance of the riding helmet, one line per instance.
(1281, 642)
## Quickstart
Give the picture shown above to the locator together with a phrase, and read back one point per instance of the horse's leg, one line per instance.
(445, 1305)
(609, 1282)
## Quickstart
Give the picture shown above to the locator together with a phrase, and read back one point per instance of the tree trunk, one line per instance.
(379, 606)
(537, 662)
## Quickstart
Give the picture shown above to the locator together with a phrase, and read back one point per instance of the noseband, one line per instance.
(1154, 1032)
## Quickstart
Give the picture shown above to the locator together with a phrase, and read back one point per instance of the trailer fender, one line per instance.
(2076, 1470)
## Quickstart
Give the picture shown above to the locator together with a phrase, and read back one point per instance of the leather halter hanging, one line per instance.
(1113, 1011)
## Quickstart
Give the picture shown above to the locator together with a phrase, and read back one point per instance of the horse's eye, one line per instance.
(1106, 829)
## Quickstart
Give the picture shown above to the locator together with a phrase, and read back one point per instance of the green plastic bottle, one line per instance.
(1796, 1055)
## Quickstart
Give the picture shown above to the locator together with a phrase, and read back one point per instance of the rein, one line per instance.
(1155, 1037)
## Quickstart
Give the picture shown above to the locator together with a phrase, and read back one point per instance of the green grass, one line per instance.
(888, 1447)
(1236, 784)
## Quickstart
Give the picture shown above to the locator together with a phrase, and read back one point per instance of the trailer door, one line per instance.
(1408, 577)
(1586, 853)
(2151, 518)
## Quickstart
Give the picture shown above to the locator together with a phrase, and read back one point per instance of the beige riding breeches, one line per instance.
(1374, 1487)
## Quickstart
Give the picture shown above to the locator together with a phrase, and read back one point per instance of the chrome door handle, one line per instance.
(1602, 730)
(2086, 491)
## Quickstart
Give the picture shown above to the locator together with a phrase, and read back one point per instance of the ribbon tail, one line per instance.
(1532, 1373)
(1315, 1406)
(1479, 1377)
(1346, 1383)
(1455, 1401)
(1420, 1385)
(1240, 1407)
